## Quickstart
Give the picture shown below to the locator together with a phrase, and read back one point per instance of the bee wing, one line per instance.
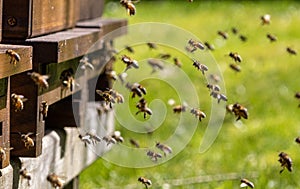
(45, 77)
(99, 92)
(24, 99)
(243, 185)
(90, 66)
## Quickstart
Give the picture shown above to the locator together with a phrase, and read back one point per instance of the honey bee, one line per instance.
(214, 78)
(117, 136)
(129, 6)
(223, 34)
(129, 49)
(265, 19)
(26, 175)
(2, 154)
(271, 37)
(243, 38)
(86, 64)
(134, 143)
(85, 139)
(151, 45)
(153, 155)
(155, 64)
(203, 68)
(142, 106)
(235, 67)
(44, 109)
(180, 108)
(291, 51)
(198, 113)
(109, 140)
(190, 49)
(111, 96)
(177, 62)
(136, 89)
(14, 56)
(234, 30)
(213, 87)
(209, 46)
(246, 183)
(18, 102)
(166, 149)
(164, 56)
(238, 110)
(28, 142)
(90, 138)
(130, 63)
(55, 180)
(235, 56)
(67, 79)
(111, 74)
(190, 1)
(285, 161)
(196, 44)
(219, 96)
(297, 140)
(297, 95)
(40, 80)
(145, 181)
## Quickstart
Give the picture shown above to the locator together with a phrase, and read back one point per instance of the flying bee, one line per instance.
(142, 106)
(285, 161)
(92, 137)
(177, 62)
(271, 37)
(234, 30)
(40, 80)
(18, 102)
(246, 183)
(28, 142)
(219, 96)
(122, 77)
(117, 136)
(291, 51)
(265, 19)
(85, 139)
(203, 68)
(235, 67)
(164, 56)
(134, 143)
(196, 44)
(152, 45)
(180, 108)
(129, 49)
(190, 49)
(155, 64)
(26, 175)
(297, 95)
(214, 78)
(130, 63)
(243, 38)
(198, 113)
(14, 56)
(86, 64)
(145, 181)
(236, 57)
(209, 46)
(166, 149)
(44, 109)
(111, 96)
(223, 34)
(153, 155)
(136, 89)
(213, 87)
(56, 181)
(109, 140)
(129, 6)
(111, 74)
(297, 140)
(239, 111)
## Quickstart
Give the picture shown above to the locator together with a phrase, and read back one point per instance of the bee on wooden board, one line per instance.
(129, 6)
(26, 175)
(155, 64)
(130, 63)
(236, 57)
(153, 155)
(177, 62)
(152, 45)
(86, 64)
(285, 161)
(223, 34)
(235, 67)
(271, 37)
(18, 102)
(146, 182)
(136, 89)
(142, 106)
(56, 181)
(265, 19)
(246, 183)
(198, 113)
(129, 49)
(28, 142)
(209, 46)
(203, 68)
(166, 149)
(291, 51)
(196, 44)
(44, 109)
(14, 56)
(134, 143)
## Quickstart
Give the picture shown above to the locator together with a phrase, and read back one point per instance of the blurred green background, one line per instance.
(266, 86)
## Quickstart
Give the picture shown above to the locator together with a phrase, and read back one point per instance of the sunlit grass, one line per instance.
(266, 86)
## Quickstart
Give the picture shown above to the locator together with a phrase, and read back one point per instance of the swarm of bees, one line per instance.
(14, 56)
(146, 182)
(285, 161)
(44, 109)
(56, 181)
(18, 102)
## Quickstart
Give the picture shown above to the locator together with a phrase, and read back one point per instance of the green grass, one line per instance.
(266, 86)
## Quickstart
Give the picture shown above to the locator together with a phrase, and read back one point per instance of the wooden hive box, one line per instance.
(53, 54)
(90, 9)
(8, 69)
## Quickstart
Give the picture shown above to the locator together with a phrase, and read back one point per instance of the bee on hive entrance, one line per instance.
(166, 149)
(223, 34)
(153, 155)
(56, 181)
(145, 181)
(44, 109)
(291, 51)
(136, 89)
(129, 6)
(285, 161)
(28, 142)
(18, 102)
(14, 57)
(265, 19)
(142, 106)
(26, 175)
(67, 80)
(130, 63)
(198, 113)
(246, 183)
(203, 68)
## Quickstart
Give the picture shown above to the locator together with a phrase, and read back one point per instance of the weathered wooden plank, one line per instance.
(29, 18)
(7, 68)
(6, 178)
(90, 9)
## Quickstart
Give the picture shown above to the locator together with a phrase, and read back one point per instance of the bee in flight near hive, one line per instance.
(246, 183)
(209, 46)
(291, 51)
(44, 109)
(235, 67)
(109, 140)
(129, 6)
(265, 19)
(152, 45)
(285, 161)
(223, 34)
(18, 102)
(243, 38)
(196, 45)
(56, 181)
(40, 80)
(155, 64)
(86, 64)
(203, 68)
(215, 92)
(297, 140)
(297, 95)
(117, 136)
(129, 49)
(236, 57)
(26, 175)
(238, 110)
(180, 108)
(198, 113)
(153, 155)
(130, 63)
(166, 149)
(3, 153)
(177, 62)
(14, 56)
(146, 182)
(271, 37)
(215, 78)
(134, 143)
(234, 30)
(90, 138)
(136, 89)
(142, 106)
(28, 142)
(164, 56)
(111, 96)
